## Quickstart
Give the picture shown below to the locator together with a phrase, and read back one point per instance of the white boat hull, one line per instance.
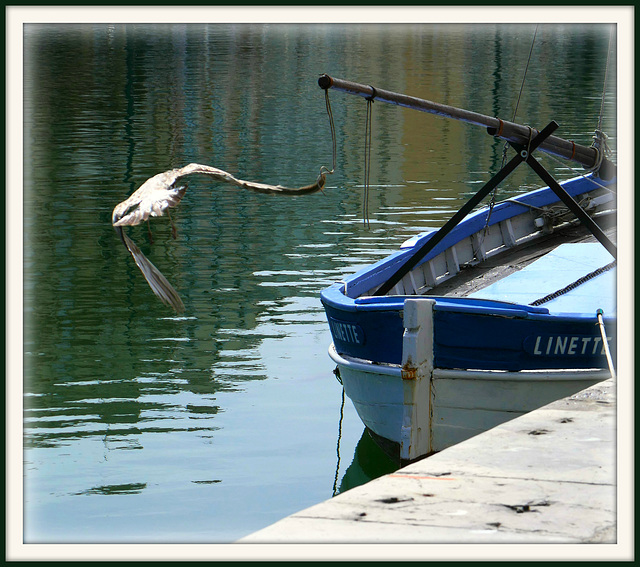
(423, 410)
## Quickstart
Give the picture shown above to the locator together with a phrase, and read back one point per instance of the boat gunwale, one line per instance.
(346, 295)
(542, 374)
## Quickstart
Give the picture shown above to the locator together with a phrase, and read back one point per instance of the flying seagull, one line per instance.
(159, 193)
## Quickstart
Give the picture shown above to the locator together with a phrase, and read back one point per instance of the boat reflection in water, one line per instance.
(369, 462)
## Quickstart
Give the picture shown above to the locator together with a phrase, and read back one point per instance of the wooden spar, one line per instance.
(509, 131)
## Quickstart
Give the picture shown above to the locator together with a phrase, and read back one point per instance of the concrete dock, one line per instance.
(546, 477)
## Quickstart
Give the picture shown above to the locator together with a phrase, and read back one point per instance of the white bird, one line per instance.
(158, 194)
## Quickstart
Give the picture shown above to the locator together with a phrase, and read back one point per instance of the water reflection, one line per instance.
(369, 462)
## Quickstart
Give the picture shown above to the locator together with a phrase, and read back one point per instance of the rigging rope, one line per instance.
(583, 174)
(324, 169)
(367, 156)
(492, 202)
(533, 41)
(605, 343)
(604, 86)
(600, 138)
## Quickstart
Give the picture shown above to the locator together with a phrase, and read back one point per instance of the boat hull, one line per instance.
(445, 356)
(456, 404)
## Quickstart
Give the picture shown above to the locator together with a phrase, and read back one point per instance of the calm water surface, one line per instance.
(142, 426)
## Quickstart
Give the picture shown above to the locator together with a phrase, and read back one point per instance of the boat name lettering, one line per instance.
(567, 345)
(346, 332)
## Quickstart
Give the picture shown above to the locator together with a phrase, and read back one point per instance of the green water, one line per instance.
(143, 426)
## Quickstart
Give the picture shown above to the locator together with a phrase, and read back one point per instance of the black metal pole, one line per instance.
(571, 203)
(421, 252)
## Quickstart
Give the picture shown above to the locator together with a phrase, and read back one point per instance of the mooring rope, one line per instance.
(605, 343)
(573, 285)
(335, 480)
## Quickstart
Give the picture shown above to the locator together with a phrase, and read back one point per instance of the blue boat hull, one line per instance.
(474, 334)
(426, 370)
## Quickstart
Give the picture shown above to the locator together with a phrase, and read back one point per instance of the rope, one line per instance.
(555, 215)
(336, 478)
(583, 174)
(156, 195)
(532, 207)
(533, 41)
(367, 156)
(605, 343)
(573, 285)
(604, 86)
(492, 202)
(324, 169)
(600, 138)
(528, 150)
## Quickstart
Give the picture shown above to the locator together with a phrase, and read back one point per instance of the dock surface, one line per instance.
(546, 477)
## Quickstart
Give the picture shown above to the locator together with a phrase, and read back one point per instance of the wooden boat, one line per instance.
(499, 312)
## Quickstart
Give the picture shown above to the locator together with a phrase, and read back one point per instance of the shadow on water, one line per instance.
(132, 488)
(369, 462)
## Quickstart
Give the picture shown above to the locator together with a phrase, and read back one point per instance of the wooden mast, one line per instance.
(587, 156)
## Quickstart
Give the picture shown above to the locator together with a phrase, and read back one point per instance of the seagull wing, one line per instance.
(159, 192)
(253, 185)
(157, 282)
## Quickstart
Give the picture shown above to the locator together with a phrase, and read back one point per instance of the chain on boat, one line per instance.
(573, 285)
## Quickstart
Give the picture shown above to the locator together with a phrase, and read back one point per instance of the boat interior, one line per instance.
(495, 252)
